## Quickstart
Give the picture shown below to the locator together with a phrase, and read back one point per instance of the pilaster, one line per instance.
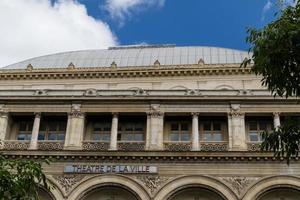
(114, 132)
(276, 120)
(155, 124)
(35, 131)
(195, 132)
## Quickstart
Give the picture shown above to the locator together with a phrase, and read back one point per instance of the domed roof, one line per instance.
(130, 56)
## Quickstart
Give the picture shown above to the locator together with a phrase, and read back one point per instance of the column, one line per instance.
(114, 132)
(276, 120)
(236, 129)
(155, 140)
(35, 131)
(195, 132)
(75, 129)
(3, 127)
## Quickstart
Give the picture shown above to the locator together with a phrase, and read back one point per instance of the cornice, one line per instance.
(146, 156)
(123, 72)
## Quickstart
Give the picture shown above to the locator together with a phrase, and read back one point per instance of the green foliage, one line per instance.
(21, 179)
(276, 57)
(276, 52)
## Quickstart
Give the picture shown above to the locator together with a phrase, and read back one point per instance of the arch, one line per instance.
(185, 182)
(109, 180)
(178, 87)
(269, 183)
(224, 87)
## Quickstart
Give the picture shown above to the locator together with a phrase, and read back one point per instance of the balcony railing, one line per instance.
(131, 145)
(54, 145)
(16, 144)
(177, 146)
(213, 146)
(253, 146)
(92, 145)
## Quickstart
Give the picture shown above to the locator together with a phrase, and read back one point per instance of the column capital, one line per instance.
(276, 114)
(236, 114)
(115, 114)
(195, 114)
(37, 114)
(4, 114)
(76, 114)
(153, 113)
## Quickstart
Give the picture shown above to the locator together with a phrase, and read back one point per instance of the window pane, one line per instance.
(41, 136)
(23, 126)
(43, 126)
(174, 127)
(206, 126)
(218, 137)
(185, 137)
(174, 137)
(53, 126)
(52, 136)
(254, 136)
(28, 136)
(253, 126)
(105, 137)
(184, 127)
(106, 128)
(262, 126)
(61, 136)
(21, 137)
(207, 137)
(96, 136)
(217, 126)
(139, 137)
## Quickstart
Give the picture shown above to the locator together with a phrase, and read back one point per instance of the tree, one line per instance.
(276, 57)
(21, 179)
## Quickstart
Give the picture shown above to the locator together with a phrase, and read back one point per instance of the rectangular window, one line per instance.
(101, 131)
(255, 128)
(179, 131)
(131, 132)
(212, 131)
(52, 130)
(24, 130)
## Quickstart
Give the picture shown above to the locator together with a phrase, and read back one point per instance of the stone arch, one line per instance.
(269, 183)
(204, 182)
(224, 87)
(109, 180)
(55, 190)
(179, 87)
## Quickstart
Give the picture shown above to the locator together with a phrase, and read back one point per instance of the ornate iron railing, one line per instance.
(131, 146)
(214, 146)
(46, 145)
(92, 145)
(177, 146)
(16, 144)
(253, 146)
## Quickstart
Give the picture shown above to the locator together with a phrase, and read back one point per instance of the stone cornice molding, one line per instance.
(123, 72)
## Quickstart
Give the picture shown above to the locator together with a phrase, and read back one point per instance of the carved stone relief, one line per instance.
(152, 182)
(239, 184)
(68, 182)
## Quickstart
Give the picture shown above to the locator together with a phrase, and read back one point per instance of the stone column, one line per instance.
(75, 129)
(276, 120)
(35, 131)
(114, 132)
(3, 127)
(155, 140)
(195, 132)
(236, 129)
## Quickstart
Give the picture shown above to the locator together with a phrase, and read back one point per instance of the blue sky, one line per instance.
(188, 22)
(43, 27)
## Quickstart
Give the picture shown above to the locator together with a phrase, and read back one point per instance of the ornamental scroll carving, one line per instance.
(235, 110)
(67, 182)
(239, 184)
(155, 111)
(153, 183)
(75, 111)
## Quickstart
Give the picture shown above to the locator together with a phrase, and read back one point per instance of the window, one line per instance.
(131, 132)
(255, 128)
(24, 130)
(212, 131)
(101, 131)
(52, 130)
(179, 131)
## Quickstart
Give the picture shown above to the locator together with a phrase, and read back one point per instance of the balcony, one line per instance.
(52, 145)
(16, 144)
(177, 146)
(213, 146)
(131, 145)
(253, 146)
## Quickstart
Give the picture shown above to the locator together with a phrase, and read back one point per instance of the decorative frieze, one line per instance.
(95, 146)
(177, 146)
(254, 146)
(239, 184)
(68, 182)
(218, 146)
(50, 145)
(152, 182)
(131, 146)
(16, 145)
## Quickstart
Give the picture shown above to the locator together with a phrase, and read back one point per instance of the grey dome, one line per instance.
(129, 56)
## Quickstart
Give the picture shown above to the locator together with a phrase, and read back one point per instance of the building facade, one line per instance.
(146, 123)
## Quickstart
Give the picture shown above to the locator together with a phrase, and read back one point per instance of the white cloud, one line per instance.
(266, 8)
(121, 9)
(32, 28)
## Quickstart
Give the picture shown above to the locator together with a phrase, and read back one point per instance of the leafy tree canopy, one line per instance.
(21, 179)
(276, 57)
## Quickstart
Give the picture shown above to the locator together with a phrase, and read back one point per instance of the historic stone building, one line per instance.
(146, 123)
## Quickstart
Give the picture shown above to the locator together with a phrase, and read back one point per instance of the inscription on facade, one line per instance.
(101, 169)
